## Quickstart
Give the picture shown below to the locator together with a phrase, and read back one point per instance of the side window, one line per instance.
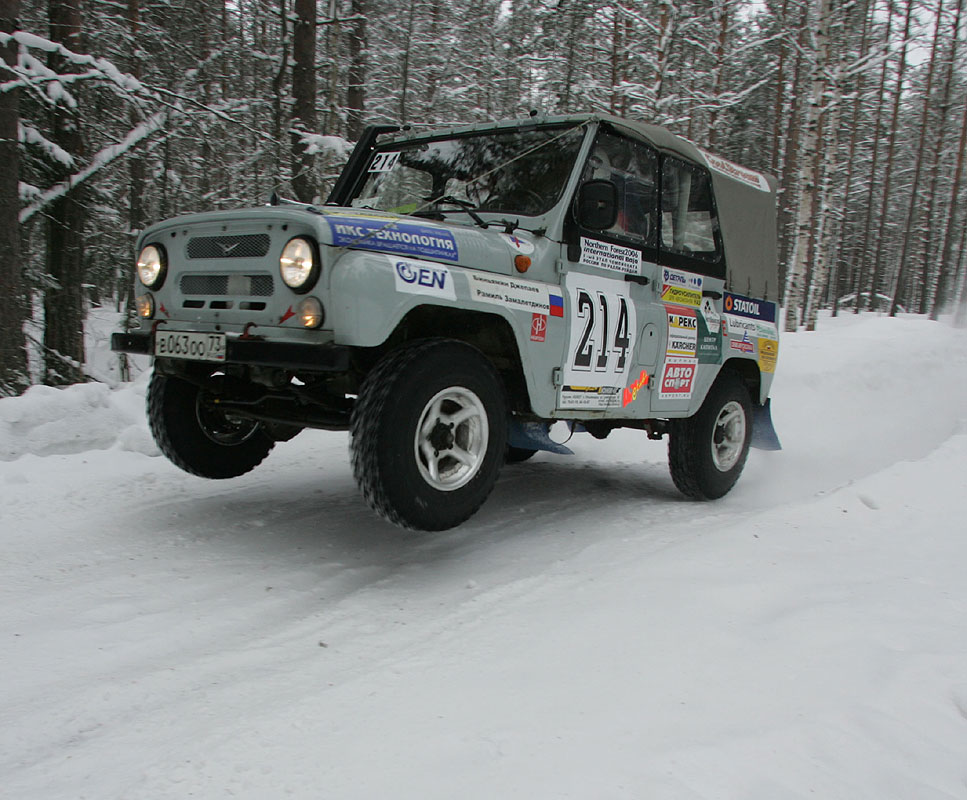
(689, 226)
(632, 167)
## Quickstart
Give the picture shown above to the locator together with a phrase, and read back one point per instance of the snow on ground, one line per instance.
(589, 634)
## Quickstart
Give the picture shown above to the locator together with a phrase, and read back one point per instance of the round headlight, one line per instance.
(298, 265)
(152, 265)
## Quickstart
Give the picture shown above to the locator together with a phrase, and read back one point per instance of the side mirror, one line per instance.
(597, 207)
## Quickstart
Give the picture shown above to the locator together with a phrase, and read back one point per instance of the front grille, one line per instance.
(231, 285)
(253, 245)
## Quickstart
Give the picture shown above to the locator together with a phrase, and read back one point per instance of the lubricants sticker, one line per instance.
(538, 327)
(681, 288)
(678, 378)
(768, 353)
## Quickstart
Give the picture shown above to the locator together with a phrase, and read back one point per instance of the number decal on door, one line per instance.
(602, 332)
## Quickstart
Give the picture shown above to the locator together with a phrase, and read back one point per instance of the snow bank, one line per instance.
(46, 421)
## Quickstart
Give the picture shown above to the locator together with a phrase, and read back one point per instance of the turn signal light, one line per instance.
(522, 263)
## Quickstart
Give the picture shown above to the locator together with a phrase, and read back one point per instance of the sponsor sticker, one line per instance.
(681, 288)
(709, 313)
(631, 393)
(747, 176)
(743, 345)
(521, 245)
(514, 293)
(538, 327)
(392, 236)
(422, 277)
(606, 255)
(750, 308)
(678, 378)
(709, 340)
(768, 353)
(589, 397)
(682, 332)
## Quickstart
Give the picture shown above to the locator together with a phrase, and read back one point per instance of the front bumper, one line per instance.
(255, 352)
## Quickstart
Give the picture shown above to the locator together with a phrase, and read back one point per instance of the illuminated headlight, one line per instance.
(145, 305)
(310, 312)
(152, 265)
(298, 265)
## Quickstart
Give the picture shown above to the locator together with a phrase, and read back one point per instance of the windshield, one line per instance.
(507, 172)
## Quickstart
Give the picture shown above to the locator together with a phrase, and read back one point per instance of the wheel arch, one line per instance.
(748, 372)
(491, 334)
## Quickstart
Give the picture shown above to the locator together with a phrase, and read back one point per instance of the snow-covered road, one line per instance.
(588, 634)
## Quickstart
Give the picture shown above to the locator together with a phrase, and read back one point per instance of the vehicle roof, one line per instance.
(745, 198)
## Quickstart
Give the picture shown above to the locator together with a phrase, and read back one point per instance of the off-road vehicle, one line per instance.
(460, 291)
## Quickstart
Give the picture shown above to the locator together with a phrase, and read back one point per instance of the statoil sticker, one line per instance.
(614, 257)
(682, 332)
(422, 277)
(768, 353)
(678, 378)
(681, 288)
(750, 308)
(594, 397)
(392, 236)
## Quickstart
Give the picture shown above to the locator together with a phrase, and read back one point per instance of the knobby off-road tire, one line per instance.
(197, 437)
(706, 452)
(428, 434)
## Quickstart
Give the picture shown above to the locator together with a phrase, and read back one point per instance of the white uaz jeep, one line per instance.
(461, 290)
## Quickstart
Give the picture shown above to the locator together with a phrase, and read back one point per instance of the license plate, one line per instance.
(194, 346)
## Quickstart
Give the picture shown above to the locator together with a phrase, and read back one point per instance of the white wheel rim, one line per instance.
(728, 436)
(451, 438)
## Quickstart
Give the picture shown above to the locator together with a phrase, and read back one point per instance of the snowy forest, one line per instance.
(117, 114)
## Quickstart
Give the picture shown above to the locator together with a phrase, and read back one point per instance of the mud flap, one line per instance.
(763, 433)
(533, 436)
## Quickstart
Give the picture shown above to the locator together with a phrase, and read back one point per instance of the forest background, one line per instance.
(117, 113)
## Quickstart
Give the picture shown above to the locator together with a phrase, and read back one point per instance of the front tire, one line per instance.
(428, 434)
(197, 436)
(706, 452)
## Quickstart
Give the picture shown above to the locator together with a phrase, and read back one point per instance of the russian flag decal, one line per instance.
(557, 305)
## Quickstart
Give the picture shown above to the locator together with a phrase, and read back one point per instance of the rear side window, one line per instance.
(689, 225)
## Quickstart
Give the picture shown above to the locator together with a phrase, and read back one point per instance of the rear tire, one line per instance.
(428, 434)
(197, 436)
(706, 452)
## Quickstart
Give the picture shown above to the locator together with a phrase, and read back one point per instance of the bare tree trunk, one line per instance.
(780, 93)
(841, 271)
(909, 232)
(304, 97)
(13, 352)
(667, 22)
(929, 277)
(788, 209)
(407, 52)
(945, 266)
(721, 14)
(795, 286)
(64, 298)
(356, 88)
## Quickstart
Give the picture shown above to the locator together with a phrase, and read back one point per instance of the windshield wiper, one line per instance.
(465, 205)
